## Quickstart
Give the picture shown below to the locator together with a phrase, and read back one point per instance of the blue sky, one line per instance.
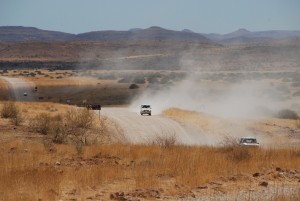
(202, 16)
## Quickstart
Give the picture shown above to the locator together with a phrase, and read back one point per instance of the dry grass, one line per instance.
(271, 131)
(4, 94)
(201, 120)
(53, 119)
(30, 172)
(209, 122)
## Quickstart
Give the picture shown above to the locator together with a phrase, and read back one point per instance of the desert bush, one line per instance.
(133, 86)
(164, 141)
(12, 111)
(17, 119)
(42, 123)
(229, 142)
(74, 127)
(240, 154)
(9, 110)
(287, 114)
(79, 119)
(58, 138)
(233, 151)
(32, 74)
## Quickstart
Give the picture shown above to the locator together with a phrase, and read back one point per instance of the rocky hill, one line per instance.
(245, 36)
(18, 33)
(151, 48)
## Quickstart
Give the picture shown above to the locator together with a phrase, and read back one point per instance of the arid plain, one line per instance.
(52, 148)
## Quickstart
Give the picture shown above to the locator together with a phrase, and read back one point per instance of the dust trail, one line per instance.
(234, 102)
(18, 87)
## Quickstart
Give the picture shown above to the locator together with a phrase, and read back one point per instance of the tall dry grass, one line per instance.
(4, 92)
(28, 171)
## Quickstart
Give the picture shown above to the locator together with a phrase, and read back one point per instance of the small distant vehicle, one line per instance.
(248, 141)
(24, 94)
(145, 109)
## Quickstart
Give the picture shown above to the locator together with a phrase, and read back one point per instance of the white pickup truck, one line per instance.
(145, 109)
(248, 141)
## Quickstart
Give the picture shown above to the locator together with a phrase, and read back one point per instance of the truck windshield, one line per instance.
(145, 106)
(249, 140)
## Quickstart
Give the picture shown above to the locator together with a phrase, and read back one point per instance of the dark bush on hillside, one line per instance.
(133, 86)
(287, 114)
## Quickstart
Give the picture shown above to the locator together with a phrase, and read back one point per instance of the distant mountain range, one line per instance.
(19, 33)
(16, 33)
(245, 36)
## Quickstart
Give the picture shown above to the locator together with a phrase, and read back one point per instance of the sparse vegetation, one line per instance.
(287, 114)
(73, 125)
(230, 142)
(134, 86)
(45, 124)
(177, 170)
(164, 141)
(12, 111)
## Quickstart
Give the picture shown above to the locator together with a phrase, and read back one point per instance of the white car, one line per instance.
(145, 109)
(248, 141)
(24, 94)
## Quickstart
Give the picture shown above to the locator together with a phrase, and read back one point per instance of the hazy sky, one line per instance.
(202, 16)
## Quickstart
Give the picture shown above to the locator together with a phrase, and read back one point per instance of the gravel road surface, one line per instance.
(145, 129)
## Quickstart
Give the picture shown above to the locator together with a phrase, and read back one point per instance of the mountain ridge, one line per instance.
(245, 36)
(19, 33)
(240, 36)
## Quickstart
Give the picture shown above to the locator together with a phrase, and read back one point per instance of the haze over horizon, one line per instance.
(75, 16)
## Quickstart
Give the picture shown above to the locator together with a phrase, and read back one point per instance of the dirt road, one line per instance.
(20, 90)
(146, 129)
(134, 127)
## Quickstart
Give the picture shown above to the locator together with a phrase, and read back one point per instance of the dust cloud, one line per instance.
(210, 93)
(222, 99)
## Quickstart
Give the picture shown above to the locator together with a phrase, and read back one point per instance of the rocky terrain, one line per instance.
(152, 48)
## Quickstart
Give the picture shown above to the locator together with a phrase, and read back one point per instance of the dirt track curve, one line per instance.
(146, 129)
(134, 127)
(18, 87)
